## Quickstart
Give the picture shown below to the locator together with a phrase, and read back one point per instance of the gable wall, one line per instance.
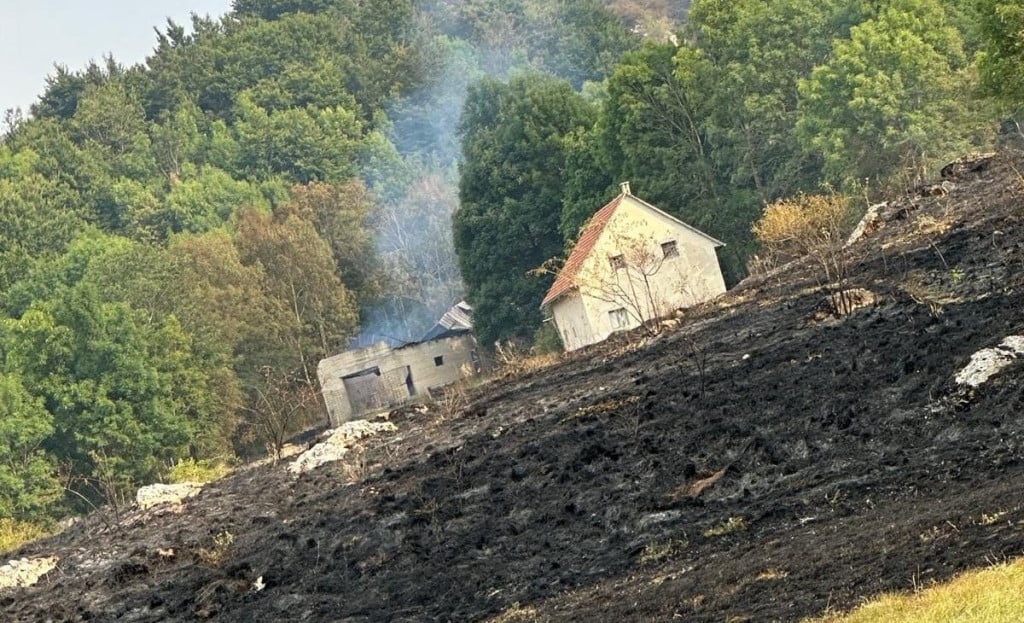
(634, 230)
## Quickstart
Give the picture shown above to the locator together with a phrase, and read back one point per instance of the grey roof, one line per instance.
(458, 319)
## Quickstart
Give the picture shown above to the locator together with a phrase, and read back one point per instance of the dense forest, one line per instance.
(181, 241)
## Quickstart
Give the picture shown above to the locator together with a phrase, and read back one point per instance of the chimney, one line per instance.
(625, 188)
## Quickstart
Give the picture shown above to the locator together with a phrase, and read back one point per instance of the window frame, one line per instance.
(618, 318)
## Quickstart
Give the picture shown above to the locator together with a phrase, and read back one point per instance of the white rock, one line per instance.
(988, 361)
(25, 571)
(155, 495)
(338, 443)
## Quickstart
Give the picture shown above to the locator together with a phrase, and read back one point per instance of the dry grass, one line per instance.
(993, 595)
(771, 574)
(516, 614)
(603, 407)
(217, 554)
(514, 359)
(657, 552)
(733, 524)
(453, 400)
(14, 534)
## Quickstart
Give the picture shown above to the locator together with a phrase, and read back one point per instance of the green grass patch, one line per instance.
(14, 534)
(199, 471)
(993, 595)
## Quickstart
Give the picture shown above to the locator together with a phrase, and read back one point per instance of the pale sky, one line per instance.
(36, 34)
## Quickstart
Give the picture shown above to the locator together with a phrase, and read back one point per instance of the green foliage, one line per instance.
(120, 392)
(35, 221)
(547, 340)
(28, 483)
(303, 144)
(890, 101)
(510, 196)
(207, 200)
(319, 312)
(1002, 65)
(191, 470)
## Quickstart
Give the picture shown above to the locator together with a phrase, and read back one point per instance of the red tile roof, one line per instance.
(565, 281)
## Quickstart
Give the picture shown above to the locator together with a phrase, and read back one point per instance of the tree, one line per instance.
(510, 196)
(1002, 65)
(304, 144)
(341, 215)
(28, 483)
(630, 284)
(281, 406)
(889, 104)
(123, 395)
(206, 200)
(319, 312)
(416, 249)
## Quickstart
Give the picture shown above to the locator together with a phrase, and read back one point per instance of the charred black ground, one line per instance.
(848, 463)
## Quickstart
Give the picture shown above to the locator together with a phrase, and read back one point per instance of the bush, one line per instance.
(807, 225)
(190, 470)
(546, 340)
(14, 533)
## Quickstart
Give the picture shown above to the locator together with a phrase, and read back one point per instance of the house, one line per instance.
(632, 263)
(381, 376)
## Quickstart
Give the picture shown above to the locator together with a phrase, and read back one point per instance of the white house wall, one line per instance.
(456, 352)
(572, 322)
(691, 277)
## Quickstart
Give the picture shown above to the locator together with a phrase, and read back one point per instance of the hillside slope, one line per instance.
(845, 461)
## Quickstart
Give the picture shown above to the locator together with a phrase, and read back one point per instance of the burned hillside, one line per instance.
(767, 459)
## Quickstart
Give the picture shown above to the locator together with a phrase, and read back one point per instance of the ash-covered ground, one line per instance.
(764, 461)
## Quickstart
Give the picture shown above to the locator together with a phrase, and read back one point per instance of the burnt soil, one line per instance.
(849, 464)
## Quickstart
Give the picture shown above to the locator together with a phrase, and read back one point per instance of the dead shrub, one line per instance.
(807, 225)
(217, 554)
(452, 400)
(513, 358)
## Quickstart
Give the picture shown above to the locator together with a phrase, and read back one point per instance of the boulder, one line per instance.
(155, 495)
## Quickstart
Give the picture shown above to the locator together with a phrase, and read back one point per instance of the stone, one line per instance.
(25, 571)
(338, 443)
(985, 363)
(155, 495)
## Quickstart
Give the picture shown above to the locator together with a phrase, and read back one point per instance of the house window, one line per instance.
(439, 360)
(619, 318)
(617, 261)
(669, 249)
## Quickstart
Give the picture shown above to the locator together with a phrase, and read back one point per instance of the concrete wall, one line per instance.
(637, 233)
(378, 376)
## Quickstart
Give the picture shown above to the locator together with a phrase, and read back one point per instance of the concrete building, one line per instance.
(632, 263)
(381, 376)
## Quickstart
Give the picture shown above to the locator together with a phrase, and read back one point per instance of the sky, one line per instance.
(36, 34)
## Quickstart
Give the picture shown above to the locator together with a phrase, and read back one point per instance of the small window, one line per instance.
(619, 318)
(617, 261)
(439, 360)
(669, 249)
